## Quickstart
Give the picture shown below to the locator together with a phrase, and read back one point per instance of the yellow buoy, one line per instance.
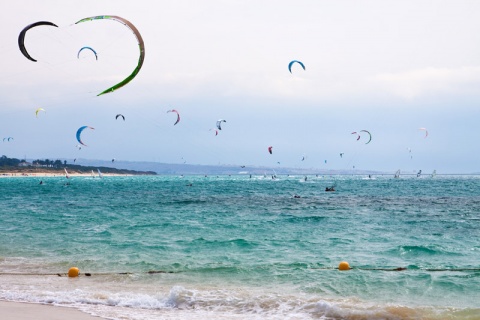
(73, 272)
(344, 266)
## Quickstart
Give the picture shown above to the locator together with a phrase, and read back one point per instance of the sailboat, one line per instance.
(397, 174)
(100, 175)
(93, 174)
(66, 173)
(434, 173)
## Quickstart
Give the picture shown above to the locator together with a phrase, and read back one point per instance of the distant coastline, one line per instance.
(6, 171)
(21, 168)
(123, 167)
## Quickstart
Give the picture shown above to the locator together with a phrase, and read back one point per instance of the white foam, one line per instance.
(132, 300)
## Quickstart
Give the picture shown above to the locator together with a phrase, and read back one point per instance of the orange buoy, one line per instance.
(73, 272)
(344, 266)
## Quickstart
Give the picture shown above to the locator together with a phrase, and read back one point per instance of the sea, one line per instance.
(244, 247)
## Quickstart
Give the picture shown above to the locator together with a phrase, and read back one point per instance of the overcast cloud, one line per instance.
(389, 67)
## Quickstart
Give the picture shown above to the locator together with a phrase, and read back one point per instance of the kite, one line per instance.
(219, 123)
(426, 132)
(216, 131)
(141, 47)
(370, 136)
(178, 115)
(78, 54)
(292, 62)
(119, 115)
(21, 36)
(79, 132)
(358, 136)
(270, 149)
(38, 110)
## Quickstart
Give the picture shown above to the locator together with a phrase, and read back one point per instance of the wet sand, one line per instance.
(34, 311)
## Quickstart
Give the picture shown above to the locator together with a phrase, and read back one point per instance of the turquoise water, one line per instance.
(235, 247)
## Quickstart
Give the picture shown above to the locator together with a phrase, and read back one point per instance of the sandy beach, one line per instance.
(58, 174)
(33, 311)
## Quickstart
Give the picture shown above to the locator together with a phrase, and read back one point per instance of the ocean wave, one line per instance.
(180, 302)
(421, 250)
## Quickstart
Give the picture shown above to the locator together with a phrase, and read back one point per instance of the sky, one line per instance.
(388, 67)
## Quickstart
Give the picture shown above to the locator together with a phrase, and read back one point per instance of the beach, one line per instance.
(56, 173)
(49, 174)
(35, 311)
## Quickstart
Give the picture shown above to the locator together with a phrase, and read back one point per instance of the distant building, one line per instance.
(24, 164)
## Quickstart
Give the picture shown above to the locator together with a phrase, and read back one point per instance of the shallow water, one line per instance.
(235, 247)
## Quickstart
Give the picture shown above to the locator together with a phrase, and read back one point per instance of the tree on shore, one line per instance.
(7, 163)
(4, 161)
(57, 163)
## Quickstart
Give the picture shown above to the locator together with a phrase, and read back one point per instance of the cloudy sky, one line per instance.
(389, 67)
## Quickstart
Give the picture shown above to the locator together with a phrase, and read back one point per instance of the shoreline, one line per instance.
(59, 174)
(13, 310)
